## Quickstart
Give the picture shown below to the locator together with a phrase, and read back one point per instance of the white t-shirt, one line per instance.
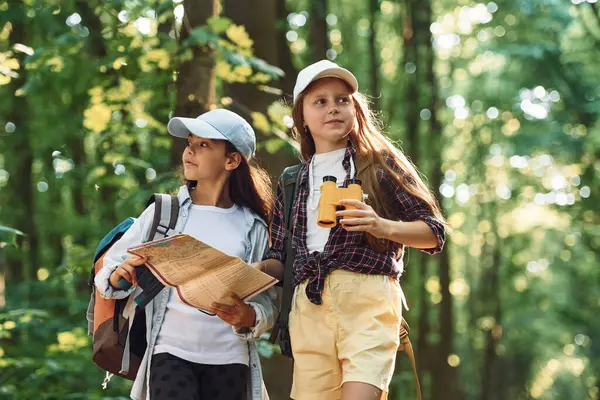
(322, 165)
(187, 332)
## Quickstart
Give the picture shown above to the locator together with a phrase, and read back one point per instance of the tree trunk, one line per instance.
(284, 55)
(490, 280)
(445, 383)
(375, 91)
(96, 50)
(195, 77)
(445, 377)
(52, 234)
(164, 84)
(411, 30)
(269, 45)
(418, 262)
(19, 161)
(3, 268)
(423, 347)
(259, 19)
(412, 82)
(319, 39)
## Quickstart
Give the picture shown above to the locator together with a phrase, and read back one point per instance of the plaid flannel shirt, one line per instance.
(344, 250)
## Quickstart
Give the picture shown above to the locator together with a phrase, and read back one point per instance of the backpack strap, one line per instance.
(288, 180)
(406, 346)
(411, 355)
(166, 212)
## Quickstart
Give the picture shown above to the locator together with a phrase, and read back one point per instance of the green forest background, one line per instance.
(497, 103)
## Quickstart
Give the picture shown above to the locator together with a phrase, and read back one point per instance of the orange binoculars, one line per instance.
(331, 196)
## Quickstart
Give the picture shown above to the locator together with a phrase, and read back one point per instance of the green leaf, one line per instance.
(258, 65)
(265, 67)
(9, 235)
(234, 58)
(31, 85)
(536, 51)
(186, 55)
(273, 145)
(138, 162)
(265, 348)
(68, 39)
(219, 24)
(37, 54)
(165, 7)
(200, 35)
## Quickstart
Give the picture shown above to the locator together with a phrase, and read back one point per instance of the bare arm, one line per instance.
(271, 267)
(415, 234)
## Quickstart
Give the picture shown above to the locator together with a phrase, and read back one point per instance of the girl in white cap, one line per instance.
(225, 203)
(347, 307)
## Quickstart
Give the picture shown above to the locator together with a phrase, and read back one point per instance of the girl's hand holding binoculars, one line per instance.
(363, 219)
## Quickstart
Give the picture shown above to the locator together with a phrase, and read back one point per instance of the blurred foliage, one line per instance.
(86, 89)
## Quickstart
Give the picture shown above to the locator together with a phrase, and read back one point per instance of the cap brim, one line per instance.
(340, 73)
(333, 72)
(182, 127)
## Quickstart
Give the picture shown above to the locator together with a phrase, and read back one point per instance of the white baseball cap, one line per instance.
(323, 69)
(217, 124)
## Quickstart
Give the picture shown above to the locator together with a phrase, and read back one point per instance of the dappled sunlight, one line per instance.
(496, 103)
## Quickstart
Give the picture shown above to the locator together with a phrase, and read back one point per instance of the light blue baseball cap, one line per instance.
(217, 124)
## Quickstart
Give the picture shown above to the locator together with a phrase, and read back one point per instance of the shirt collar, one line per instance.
(350, 152)
(185, 199)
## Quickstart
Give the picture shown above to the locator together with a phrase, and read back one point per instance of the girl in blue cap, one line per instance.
(225, 203)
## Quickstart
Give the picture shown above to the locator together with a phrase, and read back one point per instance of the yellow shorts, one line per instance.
(352, 337)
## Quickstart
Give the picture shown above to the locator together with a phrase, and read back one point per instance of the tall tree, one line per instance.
(284, 55)
(374, 61)
(19, 158)
(319, 35)
(259, 20)
(196, 85)
(491, 376)
(95, 49)
(410, 31)
(445, 382)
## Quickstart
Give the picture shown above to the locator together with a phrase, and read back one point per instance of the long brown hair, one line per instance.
(373, 151)
(249, 186)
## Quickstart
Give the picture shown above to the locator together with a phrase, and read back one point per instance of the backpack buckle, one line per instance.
(164, 230)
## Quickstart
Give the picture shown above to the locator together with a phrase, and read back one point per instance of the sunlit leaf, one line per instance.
(9, 235)
(219, 24)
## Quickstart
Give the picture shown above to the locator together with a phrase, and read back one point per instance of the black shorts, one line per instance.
(175, 378)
